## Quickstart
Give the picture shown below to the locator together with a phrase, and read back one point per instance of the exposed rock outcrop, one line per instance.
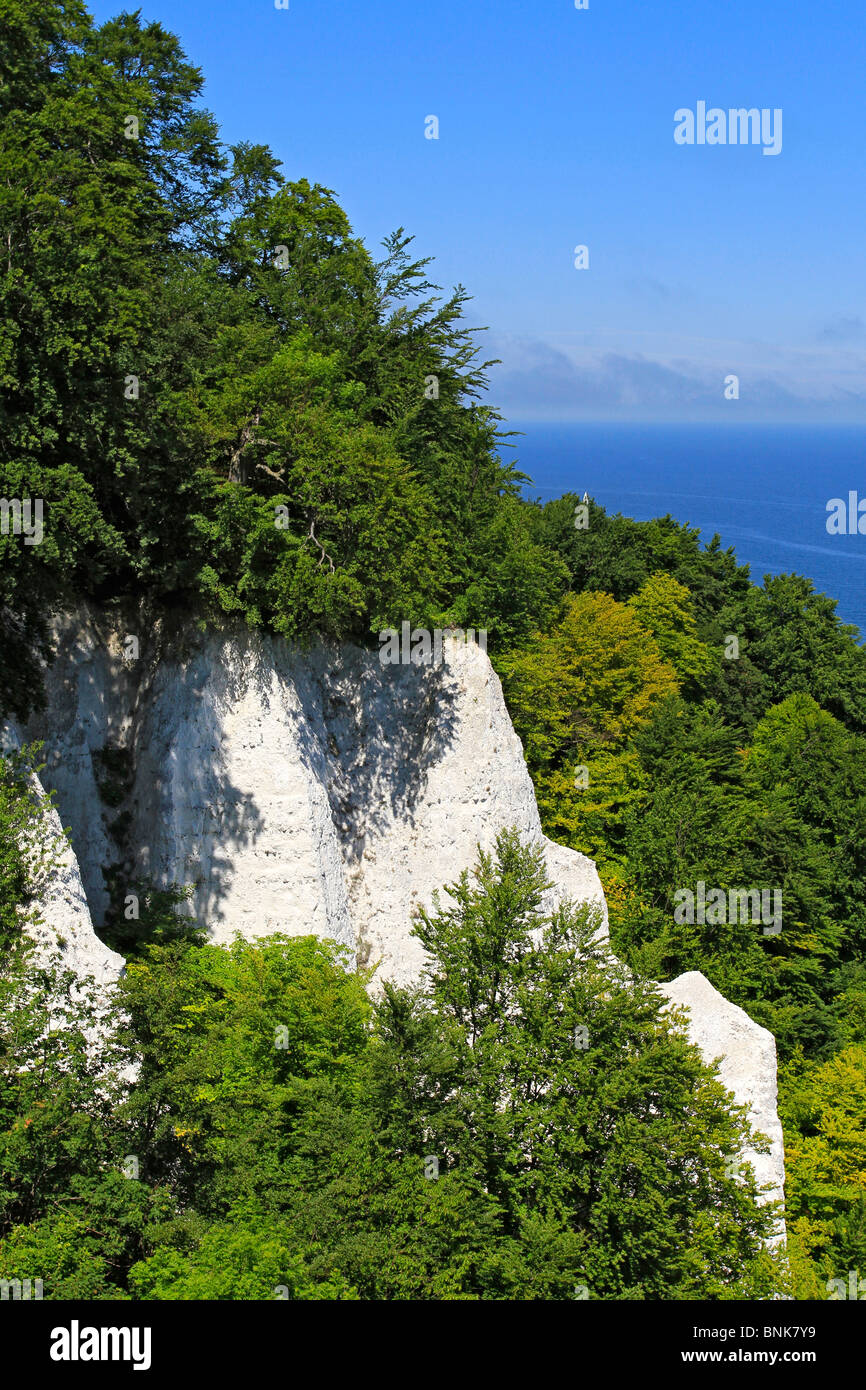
(746, 1054)
(62, 930)
(298, 791)
(311, 791)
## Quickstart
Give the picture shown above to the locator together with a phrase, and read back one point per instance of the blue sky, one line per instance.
(556, 129)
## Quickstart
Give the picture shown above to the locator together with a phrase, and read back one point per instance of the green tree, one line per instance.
(570, 1106)
(823, 1110)
(577, 695)
(782, 816)
(664, 608)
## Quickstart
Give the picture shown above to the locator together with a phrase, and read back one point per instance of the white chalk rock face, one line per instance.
(302, 791)
(310, 792)
(90, 698)
(62, 929)
(746, 1053)
(66, 929)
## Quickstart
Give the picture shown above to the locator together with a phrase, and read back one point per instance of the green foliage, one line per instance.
(536, 1008)
(577, 695)
(85, 1247)
(224, 1039)
(250, 1258)
(21, 851)
(220, 397)
(791, 642)
(227, 406)
(282, 1127)
(143, 916)
(618, 556)
(68, 1213)
(664, 608)
(749, 775)
(823, 1110)
(711, 812)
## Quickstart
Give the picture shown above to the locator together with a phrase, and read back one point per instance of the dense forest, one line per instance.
(230, 407)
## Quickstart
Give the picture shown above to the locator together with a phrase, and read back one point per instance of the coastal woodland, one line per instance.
(231, 406)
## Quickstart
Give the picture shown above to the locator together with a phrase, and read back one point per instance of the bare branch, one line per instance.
(324, 555)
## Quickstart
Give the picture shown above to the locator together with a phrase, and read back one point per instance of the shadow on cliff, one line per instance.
(141, 769)
(380, 730)
(184, 794)
(85, 760)
(112, 759)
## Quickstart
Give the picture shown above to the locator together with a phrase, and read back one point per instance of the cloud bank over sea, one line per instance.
(648, 376)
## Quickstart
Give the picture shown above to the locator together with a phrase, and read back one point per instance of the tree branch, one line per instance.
(325, 555)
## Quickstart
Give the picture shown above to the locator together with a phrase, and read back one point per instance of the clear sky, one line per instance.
(556, 129)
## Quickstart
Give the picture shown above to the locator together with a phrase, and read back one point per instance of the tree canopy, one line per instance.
(228, 407)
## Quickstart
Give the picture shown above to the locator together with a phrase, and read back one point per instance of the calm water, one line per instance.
(764, 488)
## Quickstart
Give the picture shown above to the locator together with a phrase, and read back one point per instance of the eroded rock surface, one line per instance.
(62, 928)
(746, 1053)
(297, 791)
(305, 792)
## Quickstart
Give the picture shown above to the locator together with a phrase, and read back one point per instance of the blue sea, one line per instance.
(763, 488)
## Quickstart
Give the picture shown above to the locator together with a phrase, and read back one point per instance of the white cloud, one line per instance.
(576, 377)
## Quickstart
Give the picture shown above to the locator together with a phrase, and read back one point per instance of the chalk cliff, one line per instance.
(62, 929)
(298, 791)
(746, 1054)
(310, 791)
